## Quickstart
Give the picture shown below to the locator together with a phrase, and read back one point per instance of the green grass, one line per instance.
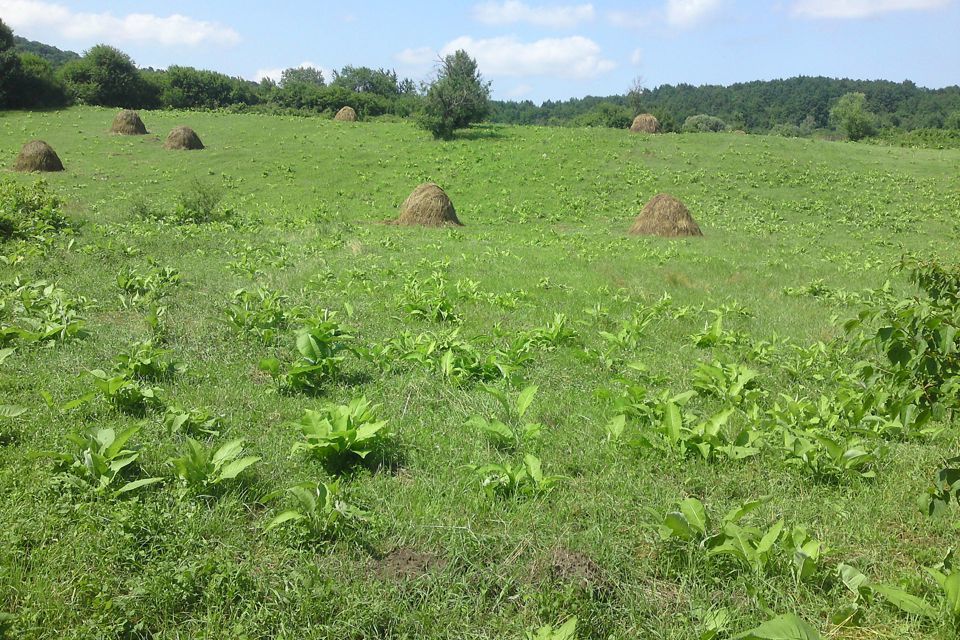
(546, 211)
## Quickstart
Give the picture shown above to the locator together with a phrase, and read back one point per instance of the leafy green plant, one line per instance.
(318, 511)
(144, 361)
(566, 631)
(508, 480)
(514, 433)
(29, 211)
(428, 301)
(340, 435)
(831, 458)
(733, 383)
(783, 627)
(946, 489)
(39, 312)
(194, 422)
(708, 439)
(100, 460)
(121, 391)
(321, 347)
(139, 288)
(200, 468)
(552, 335)
(714, 335)
(262, 314)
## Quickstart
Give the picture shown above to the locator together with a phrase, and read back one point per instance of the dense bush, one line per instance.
(606, 114)
(28, 210)
(850, 115)
(703, 123)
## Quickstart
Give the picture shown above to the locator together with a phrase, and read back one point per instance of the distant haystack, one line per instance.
(740, 132)
(128, 123)
(37, 155)
(347, 114)
(183, 138)
(427, 206)
(645, 123)
(667, 217)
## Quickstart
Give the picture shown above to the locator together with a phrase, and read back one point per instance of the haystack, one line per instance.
(347, 114)
(645, 123)
(128, 123)
(37, 155)
(427, 206)
(183, 138)
(667, 217)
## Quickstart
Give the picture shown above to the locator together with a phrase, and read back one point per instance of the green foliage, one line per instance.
(302, 75)
(507, 480)
(703, 123)
(342, 435)
(39, 312)
(784, 627)
(566, 631)
(850, 115)
(195, 422)
(200, 468)
(945, 490)
(456, 99)
(318, 512)
(29, 211)
(138, 288)
(100, 460)
(321, 348)
(262, 314)
(104, 76)
(513, 434)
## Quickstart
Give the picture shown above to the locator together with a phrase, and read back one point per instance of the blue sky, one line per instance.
(530, 50)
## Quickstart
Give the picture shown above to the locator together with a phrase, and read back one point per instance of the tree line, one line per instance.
(35, 75)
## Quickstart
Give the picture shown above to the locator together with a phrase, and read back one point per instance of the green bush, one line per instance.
(27, 211)
(703, 123)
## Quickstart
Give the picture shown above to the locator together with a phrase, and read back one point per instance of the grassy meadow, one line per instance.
(542, 286)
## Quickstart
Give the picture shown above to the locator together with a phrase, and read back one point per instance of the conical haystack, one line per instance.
(347, 114)
(183, 138)
(645, 123)
(128, 123)
(427, 206)
(667, 217)
(37, 155)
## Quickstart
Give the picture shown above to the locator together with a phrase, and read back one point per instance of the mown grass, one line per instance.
(545, 212)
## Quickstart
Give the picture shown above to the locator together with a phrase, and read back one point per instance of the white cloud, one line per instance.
(277, 73)
(554, 17)
(860, 8)
(636, 58)
(172, 30)
(417, 56)
(686, 13)
(573, 57)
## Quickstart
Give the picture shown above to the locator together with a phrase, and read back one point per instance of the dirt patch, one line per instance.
(571, 567)
(406, 564)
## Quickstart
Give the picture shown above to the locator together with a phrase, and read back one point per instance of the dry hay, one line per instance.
(667, 217)
(645, 123)
(347, 114)
(740, 132)
(183, 138)
(37, 155)
(128, 123)
(427, 206)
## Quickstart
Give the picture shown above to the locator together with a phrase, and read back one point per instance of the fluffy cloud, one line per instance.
(685, 13)
(860, 8)
(416, 57)
(172, 30)
(636, 58)
(277, 73)
(573, 57)
(554, 17)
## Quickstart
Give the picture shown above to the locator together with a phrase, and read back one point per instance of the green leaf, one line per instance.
(532, 465)
(676, 525)
(770, 537)
(233, 469)
(906, 602)
(524, 400)
(136, 484)
(737, 514)
(951, 592)
(285, 516)
(228, 451)
(5, 353)
(672, 422)
(695, 514)
(853, 579)
(785, 627)
(11, 411)
(615, 427)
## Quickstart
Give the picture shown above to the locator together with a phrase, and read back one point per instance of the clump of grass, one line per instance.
(199, 202)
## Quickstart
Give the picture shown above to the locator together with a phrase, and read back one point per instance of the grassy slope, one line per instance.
(545, 211)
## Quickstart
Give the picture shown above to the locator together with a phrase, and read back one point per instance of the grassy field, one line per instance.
(799, 235)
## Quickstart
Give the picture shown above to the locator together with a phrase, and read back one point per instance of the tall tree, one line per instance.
(851, 115)
(457, 98)
(104, 76)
